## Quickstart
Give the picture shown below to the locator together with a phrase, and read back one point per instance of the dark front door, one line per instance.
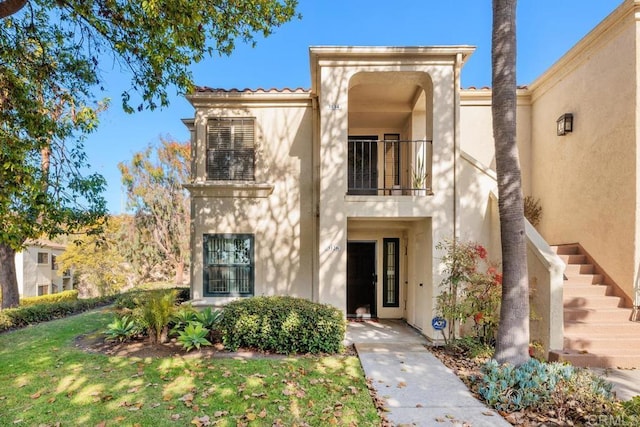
(361, 279)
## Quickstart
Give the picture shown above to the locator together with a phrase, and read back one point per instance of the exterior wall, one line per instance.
(476, 130)
(277, 209)
(31, 275)
(434, 215)
(587, 180)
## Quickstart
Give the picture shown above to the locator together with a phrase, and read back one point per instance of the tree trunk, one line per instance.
(9, 7)
(8, 279)
(179, 272)
(512, 345)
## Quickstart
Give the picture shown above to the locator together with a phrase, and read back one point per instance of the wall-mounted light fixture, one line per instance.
(565, 124)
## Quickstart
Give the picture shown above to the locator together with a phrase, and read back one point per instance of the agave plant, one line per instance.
(193, 335)
(121, 329)
(209, 318)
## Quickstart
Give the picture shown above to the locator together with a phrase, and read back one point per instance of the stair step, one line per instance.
(593, 302)
(597, 315)
(578, 290)
(576, 329)
(627, 360)
(573, 259)
(566, 249)
(573, 269)
(613, 345)
(591, 279)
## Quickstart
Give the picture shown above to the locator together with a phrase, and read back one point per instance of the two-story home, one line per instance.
(341, 193)
(37, 269)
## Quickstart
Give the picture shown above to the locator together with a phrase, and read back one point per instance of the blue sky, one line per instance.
(546, 29)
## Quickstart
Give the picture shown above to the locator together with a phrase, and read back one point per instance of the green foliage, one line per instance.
(209, 318)
(193, 335)
(51, 55)
(282, 324)
(122, 328)
(19, 317)
(71, 295)
(472, 290)
(541, 386)
(155, 313)
(182, 317)
(153, 180)
(97, 261)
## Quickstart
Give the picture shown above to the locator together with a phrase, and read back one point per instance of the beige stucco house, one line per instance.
(340, 193)
(37, 269)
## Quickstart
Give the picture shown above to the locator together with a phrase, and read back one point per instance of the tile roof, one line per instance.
(200, 89)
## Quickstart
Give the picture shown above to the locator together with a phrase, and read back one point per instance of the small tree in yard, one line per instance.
(471, 290)
(153, 180)
(51, 53)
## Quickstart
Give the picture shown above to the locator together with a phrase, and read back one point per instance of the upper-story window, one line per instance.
(43, 258)
(230, 149)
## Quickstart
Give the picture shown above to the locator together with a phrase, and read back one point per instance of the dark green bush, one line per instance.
(283, 325)
(49, 298)
(19, 317)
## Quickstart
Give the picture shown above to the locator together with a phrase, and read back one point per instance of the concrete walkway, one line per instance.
(418, 389)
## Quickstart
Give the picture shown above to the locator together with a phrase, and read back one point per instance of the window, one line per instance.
(230, 149)
(390, 266)
(43, 289)
(228, 264)
(43, 258)
(54, 262)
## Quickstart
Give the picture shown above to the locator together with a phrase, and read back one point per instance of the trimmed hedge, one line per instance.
(49, 298)
(283, 325)
(12, 318)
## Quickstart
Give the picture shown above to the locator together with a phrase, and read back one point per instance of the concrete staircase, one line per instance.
(597, 327)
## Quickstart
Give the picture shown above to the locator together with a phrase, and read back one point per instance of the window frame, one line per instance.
(45, 258)
(206, 266)
(239, 150)
(385, 278)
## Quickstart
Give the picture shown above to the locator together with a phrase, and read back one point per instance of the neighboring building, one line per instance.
(341, 193)
(38, 272)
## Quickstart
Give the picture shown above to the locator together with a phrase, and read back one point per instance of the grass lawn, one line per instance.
(45, 380)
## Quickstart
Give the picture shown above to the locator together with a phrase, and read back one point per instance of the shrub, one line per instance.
(283, 325)
(12, 318)
(155, 313)
(532, 210)
(122, 328)
(540, 387)
(49, 298)
(209, 318)
(472, 290)
(193, 335)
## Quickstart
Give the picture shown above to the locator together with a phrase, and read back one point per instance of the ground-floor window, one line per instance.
(391, 268)
(228, 264)
(43, 289)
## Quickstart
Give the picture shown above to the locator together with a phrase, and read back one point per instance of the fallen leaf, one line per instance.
(263, 413)
(101, 424)
(219, 414)
(402, 384)
(488, 414)
(51, 400)
(250, 416)
(36, 395)
(133, 389)
(175, 417)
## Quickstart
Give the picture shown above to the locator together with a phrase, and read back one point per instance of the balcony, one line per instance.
(389, 167)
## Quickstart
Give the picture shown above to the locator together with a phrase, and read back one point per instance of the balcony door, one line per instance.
(363, 165)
